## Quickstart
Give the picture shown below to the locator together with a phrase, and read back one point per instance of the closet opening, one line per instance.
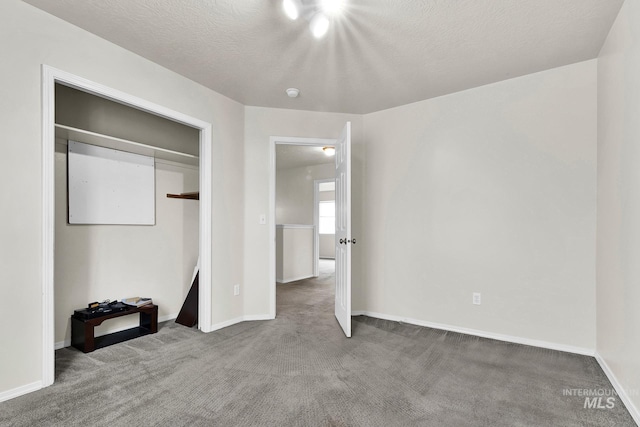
(101, 255)
(94, 261)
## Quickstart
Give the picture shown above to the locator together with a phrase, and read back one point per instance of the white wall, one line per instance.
(327, 246)
(295, 197)
(489, 190)
(295, 189)
(295, 204)
(260, 124)
(618, 248)
(295, 192)
(30, 38)
(327, 243)
(294, 244)
(97, 262)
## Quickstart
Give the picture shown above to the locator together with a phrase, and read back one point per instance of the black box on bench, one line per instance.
(101, 310)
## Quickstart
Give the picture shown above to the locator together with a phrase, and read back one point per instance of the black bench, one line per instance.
(82, 330)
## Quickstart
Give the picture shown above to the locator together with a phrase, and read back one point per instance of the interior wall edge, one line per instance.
(19, 391)
(620, 390)
(618, 207)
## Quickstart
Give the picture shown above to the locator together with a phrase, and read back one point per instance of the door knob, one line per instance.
(354, 240)
(343, 241)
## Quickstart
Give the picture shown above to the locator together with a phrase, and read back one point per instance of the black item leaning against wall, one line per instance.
(188, 315)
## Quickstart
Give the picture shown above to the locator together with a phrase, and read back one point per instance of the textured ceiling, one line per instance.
(297, 156)
(379, 54)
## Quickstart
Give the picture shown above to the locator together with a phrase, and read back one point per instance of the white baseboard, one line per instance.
(167, 317)
(19, 391)
(624, 396)
(67, 342)
(293, 279)
(240, 319)
(62, 344)
(254, 317)
(226, 323)
(483, 334)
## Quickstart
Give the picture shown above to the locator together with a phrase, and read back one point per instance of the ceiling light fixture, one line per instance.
(332, 7)
(292, 8)
(329, 151)
(319, 25)
(319, 13)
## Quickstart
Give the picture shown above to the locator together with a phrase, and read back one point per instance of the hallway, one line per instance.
(313, 296)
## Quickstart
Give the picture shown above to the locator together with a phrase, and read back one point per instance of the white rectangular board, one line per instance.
(107, 186)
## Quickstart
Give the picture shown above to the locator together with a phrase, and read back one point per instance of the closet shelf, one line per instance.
(191, 196)
(88, 137)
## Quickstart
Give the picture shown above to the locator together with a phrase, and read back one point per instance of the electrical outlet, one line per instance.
(236, 289)
(476, 298)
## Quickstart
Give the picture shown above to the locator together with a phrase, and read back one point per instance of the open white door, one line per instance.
(343, 229)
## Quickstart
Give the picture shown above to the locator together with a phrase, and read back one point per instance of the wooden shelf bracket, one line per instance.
(191, 196)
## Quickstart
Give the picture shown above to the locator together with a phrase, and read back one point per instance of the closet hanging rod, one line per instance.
(72, 133)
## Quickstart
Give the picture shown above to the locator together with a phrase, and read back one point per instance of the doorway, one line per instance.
(51, 77)
(298, 244)
(318, 143)
(343, 220)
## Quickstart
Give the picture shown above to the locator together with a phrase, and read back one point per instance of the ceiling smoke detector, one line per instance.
(292, 92)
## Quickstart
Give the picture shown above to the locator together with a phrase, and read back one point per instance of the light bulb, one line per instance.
(291, 8)
(319, 25)
(332, 7)
(329, 151)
